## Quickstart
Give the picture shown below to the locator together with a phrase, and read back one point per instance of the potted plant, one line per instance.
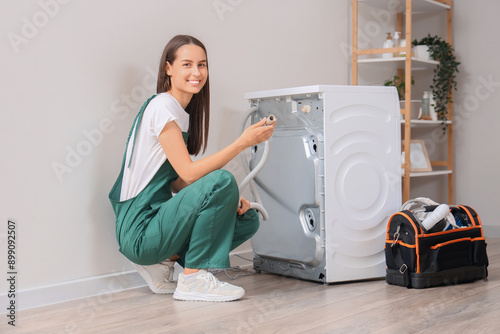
(444, 79)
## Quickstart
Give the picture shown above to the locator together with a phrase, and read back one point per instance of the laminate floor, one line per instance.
(275, 304)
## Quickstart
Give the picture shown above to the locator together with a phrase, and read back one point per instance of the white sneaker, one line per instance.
(158, 276)
(206, 287)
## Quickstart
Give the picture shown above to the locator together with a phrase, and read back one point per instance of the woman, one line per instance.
(203, 222)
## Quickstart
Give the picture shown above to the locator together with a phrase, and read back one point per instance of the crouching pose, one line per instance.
(206, 218)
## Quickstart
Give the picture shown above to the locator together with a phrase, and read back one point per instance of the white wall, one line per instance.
(477, 129)
(74, 74)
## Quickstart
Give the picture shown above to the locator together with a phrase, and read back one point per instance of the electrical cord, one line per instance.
(245, 272)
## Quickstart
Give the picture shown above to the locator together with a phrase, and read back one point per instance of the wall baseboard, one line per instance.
(93, 286)
(77, 289)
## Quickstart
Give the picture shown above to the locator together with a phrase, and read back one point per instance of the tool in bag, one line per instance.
(429, 244)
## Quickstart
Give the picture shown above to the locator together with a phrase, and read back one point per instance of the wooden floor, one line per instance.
(275, 304)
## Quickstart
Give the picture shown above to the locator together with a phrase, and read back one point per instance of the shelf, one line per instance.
(425, 6)
(417, 64)
(433, 173)
(421, 122)
(418, 6)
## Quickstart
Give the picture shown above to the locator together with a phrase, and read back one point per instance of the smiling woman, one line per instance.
(202, 223)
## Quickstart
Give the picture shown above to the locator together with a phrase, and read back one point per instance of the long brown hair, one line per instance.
(199, 106)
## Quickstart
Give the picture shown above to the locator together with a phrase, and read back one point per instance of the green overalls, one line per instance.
(199, 223)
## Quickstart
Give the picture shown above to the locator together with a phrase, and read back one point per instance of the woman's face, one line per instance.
(189, 71)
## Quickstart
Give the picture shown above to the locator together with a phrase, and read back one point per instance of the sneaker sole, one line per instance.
(149, 280)
(201, 297)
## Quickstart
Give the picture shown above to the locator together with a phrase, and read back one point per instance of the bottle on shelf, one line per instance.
(432, 108)
(425, 112)
(396, 42)
(387, 45)
(402, 43)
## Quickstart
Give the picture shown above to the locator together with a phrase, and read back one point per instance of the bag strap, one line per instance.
(398, 258)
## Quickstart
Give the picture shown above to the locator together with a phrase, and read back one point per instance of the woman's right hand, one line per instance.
(257, 133)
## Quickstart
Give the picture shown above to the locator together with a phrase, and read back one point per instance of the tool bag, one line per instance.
(417, 258)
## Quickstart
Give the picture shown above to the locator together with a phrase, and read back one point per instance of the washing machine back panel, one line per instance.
(288, 185)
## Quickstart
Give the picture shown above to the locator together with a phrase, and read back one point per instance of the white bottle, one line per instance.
(387, 45)
(425, 108)
(396, 42)
(432, 109)
(435, 216)
(402, 43)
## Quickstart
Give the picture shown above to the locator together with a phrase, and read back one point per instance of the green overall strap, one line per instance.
(136, 123)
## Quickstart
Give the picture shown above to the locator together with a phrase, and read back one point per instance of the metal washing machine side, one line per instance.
(331, 181)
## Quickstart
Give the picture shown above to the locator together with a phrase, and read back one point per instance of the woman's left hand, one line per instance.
(244, 206)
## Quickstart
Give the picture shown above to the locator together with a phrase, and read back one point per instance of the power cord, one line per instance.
(242, 272)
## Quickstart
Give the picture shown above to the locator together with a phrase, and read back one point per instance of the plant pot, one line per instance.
(422, 52)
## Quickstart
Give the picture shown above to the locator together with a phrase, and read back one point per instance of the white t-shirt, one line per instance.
(148, 154)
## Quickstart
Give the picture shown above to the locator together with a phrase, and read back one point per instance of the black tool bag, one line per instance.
(416, 259)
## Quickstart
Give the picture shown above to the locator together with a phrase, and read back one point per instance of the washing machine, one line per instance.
(330, 182)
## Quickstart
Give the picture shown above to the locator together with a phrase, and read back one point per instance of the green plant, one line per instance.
(444, 79)
(400, 84)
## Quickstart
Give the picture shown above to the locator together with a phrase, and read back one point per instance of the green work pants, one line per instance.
(200, 224)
